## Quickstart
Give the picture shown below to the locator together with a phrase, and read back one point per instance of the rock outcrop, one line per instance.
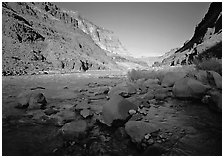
(206, 41)
(41, 37)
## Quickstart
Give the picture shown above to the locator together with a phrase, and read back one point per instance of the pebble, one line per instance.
(147, 136)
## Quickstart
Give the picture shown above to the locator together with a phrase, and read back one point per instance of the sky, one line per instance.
(144, 28)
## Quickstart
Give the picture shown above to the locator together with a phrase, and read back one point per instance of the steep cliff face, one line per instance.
(104, 38)
(206, 41)
(41, 37)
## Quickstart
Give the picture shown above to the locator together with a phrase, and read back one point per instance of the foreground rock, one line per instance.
(75, 129)
(138, 129)
(117, 108)
(31, 100)
(189, 88)
(216, 78)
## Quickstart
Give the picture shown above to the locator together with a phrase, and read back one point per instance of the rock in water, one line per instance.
(171, 77)
(189, 88)
(75, 129)
(37, 101)
(138, 129)
(117, 108)
(31, 100)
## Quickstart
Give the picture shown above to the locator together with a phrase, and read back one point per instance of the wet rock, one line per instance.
(138, 129)
(85, 113)
(75, 129)
(171, 77)
(189, 88)
(117, 108)
(31, 100)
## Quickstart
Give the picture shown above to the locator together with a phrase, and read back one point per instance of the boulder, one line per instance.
(131, 89)
(116, 108)
(140, 86)
(171, 77)
(189, 88)
(118, 89)
(149, 82)
(217, 79)
(96, 108)
(85, 113)
(138, 129)
(200, 75)
(31, 100)
(148, 96)
(134, 100)
(75, 129)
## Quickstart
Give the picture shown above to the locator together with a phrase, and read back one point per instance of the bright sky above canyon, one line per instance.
(144, 28)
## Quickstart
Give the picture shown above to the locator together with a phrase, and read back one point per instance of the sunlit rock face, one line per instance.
(206, 41)
(105, 39)
(41, 37)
